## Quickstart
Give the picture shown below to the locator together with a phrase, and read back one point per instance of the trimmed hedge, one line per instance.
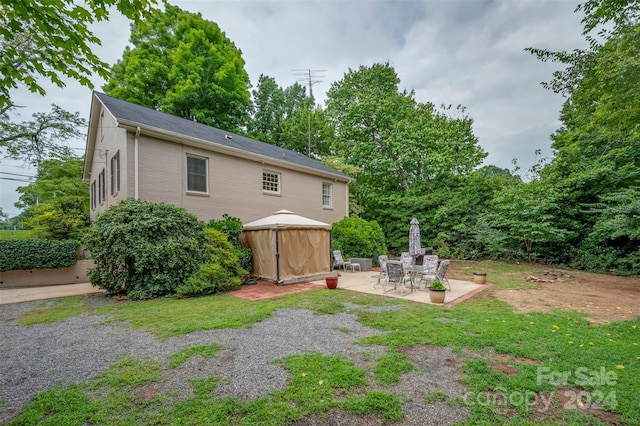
(356, 237)
(37, 254)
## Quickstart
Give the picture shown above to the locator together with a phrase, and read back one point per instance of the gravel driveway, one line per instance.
(39, 357)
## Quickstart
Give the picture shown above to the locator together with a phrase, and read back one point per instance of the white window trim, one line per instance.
(94, 195)
(114, 180)
(279, 183)
(101, 125)
(186, 174)
(330, 205)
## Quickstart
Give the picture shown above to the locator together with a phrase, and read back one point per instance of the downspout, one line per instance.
(135, 164)
(347, 199)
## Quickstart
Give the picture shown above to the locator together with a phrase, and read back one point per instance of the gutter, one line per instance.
(346, 195)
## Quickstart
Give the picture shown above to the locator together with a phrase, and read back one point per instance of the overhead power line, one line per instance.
(17, 174)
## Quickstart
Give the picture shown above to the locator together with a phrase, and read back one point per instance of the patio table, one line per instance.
(414, 272)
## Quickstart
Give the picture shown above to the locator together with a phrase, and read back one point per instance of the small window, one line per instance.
(197, 174)
(327, 191)
(93, 195)
(115, 174)
(101, 126)
(102, 193)
(271, 182)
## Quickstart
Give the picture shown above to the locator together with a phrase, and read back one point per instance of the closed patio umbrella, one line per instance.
(414, 238)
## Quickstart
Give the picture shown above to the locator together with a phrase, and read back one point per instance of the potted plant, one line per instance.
(437, 292)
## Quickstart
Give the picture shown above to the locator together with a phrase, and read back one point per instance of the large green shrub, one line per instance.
(145, 250)
(222, 271)
(37, 254)
(356, 237)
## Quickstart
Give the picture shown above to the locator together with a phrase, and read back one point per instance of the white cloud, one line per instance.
(449, 52)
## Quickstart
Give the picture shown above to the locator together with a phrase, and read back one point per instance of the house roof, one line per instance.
(284, 219)
(132, 115)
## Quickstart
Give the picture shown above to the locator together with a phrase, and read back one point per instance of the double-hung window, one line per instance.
(197, 174)
(102, 192)
(115, 174)
(270, 182)
(93, 195)
(327, 193)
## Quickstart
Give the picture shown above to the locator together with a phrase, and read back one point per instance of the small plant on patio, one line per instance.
(437, 292)
(437, 286)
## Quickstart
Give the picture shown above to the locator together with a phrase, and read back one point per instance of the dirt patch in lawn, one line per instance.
(603, 297)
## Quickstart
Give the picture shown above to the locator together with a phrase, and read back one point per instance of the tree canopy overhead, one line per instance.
(396, 141)
(183, 65)
(51, 39)
(34, 141)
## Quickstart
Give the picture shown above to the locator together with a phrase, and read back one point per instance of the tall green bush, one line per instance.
(221, 272)
(145, 250)
(356, 237)
(232, 227)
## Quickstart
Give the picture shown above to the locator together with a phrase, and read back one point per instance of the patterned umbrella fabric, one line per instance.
(414, 238)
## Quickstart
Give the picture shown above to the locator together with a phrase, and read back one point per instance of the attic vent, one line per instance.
(228, 137)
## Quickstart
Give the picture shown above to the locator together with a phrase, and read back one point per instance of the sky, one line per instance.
(449, 52)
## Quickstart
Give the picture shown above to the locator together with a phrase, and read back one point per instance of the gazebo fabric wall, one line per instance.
(304, 252)
(263, 247)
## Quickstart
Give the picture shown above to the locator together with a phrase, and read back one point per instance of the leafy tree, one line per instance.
(47, 134)
(183, 65)
(308, 131)
(289, 119)
(526, 214)
(57, 203)
(52, 40)
(145, 250)
(598, 146)
(269, 111)
(394, 140)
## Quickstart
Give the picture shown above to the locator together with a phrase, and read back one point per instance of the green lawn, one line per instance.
(8, 234)
(510, 360)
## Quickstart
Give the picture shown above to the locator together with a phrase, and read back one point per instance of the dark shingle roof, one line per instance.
(131, 113)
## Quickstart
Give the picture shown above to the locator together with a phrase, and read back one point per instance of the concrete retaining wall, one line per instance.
(41, 277)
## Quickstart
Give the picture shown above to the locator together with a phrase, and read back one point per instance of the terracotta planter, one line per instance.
(437, 296)
(332, 282)
(479, 277)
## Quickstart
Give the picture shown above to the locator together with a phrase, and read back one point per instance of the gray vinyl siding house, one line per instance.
(137, 152)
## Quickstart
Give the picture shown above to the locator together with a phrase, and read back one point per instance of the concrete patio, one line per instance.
(364, 282)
